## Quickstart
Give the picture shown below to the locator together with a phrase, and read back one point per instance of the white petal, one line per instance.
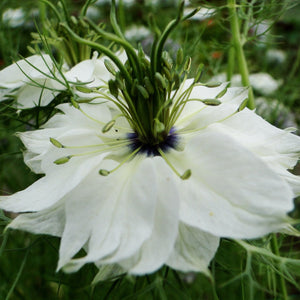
(14, 76)
(30, 96)
(206, 115)
(155, 251)
(279, 148)
(49, 221)
(50, 189)
(193, 251)
(114, 214)
(231, 193)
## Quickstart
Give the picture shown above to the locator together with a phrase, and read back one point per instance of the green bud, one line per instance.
(108, 126)
(110, 67)
(63, 160)
(142, 91)
(148, 85)
(113, 88)
(213, 102)
(56, 143)
(104, 172)
(179, 57)
(160, 80)
(186, 175)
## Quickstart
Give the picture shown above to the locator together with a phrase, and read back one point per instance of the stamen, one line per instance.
(63, 160)
(105, 172)
(186, 175)
(56, 143)
(108, 126)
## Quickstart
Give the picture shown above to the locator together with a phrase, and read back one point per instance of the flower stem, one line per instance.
(238, 45)
(275, 249)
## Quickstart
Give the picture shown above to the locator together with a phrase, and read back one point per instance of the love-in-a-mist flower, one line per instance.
(155, 170)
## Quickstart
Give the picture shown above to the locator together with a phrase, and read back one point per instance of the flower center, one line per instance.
(152, 149)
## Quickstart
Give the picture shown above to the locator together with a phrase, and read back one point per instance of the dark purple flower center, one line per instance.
(151, 149)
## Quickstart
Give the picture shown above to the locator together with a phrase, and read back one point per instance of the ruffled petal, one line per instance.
(157, 248)
(279, 148)
(49, 221)
(14, 76)
(193, 251)
(117, 218)
(205, 115)
(50, 189)
(231, 193)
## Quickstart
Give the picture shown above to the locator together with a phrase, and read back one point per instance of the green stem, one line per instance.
(238, 45)
(231, 63)
(275, 249)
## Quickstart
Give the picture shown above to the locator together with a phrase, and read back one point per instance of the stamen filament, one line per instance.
(104, 172)
(187, 174)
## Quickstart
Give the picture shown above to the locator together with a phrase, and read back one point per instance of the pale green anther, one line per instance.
(186, 175)
(143, 91)
(176, 81)
(84, 89)
(74, 20)
(133, 88)
(222, 93)
(31, 50)
(187, 64)
(199, 73)
(179, 57)
(167, 73)
(212, 84)
(148, 85)
(167, 60)
(160, 80)
(63, 160)
(113, 88)
(109, 66)
(83, 23)
(108, 126)
(74, 103)
(56, 143)
(159, 126)
(104, 172)
(213, 102)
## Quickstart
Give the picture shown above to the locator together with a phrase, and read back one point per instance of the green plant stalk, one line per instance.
(275, 249)
(231, 63)
(238, 46)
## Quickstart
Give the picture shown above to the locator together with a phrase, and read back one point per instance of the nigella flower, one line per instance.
(156, 169)
(216, 173)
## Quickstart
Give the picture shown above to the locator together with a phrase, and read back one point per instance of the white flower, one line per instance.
(276, 56)
(137, 33)
(144, 213)
(36, 80)
(263, 83)
(13, 17)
